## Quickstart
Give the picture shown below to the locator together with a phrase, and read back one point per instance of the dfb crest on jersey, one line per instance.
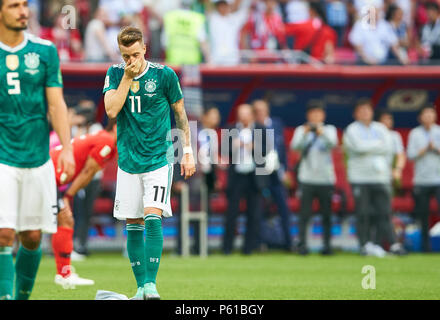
(32, 60)
(150, 86)
(135, 86)
(12, 62)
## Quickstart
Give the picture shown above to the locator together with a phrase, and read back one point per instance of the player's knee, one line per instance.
(7, 237)
(153, 211)
(135, 221)
(30, 239)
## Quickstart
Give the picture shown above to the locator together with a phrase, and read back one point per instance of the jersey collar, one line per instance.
(143, 73)
(16, 48)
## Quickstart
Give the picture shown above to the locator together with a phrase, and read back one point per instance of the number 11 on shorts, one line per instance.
(156, 193)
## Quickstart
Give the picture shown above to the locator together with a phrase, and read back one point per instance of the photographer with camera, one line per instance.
(316, 176)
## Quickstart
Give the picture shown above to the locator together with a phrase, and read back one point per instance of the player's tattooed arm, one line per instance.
(182, 122)
(187, 166)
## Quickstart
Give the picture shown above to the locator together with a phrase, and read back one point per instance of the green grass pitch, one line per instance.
(264, 276)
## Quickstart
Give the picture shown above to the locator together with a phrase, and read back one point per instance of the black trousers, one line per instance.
(83, 211)
(308, 192)
(373, 213)
(422, 197)
(242, 186)
(279, 195)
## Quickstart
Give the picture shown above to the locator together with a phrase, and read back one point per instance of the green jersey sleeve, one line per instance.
(54, 77)
(112, 79)
(174, 91)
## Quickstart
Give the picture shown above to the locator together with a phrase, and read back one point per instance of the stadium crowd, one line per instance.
(227, 32)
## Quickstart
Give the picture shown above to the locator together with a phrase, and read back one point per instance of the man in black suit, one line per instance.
(279, 164)
(246, 177)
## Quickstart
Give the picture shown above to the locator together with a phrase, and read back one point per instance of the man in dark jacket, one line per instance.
(246, 177)
(279, 164)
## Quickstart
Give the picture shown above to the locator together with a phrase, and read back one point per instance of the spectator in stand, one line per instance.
(420, 15)
(200, 6)
(297, 11)
(424, 150)
(84, 15)
(224, 25)
(184, 36)
(373, 39)
(337, 16)
(431, 33)
(314, 36)
(264, 29)
(394, 16)
(278, 171)
(117, 10)
(363, 7)
(407, 7)
(67, 41)
(367, 144)
(244, 181)
(316, 176)
(157, 9)
(97, 48)
(283, 9)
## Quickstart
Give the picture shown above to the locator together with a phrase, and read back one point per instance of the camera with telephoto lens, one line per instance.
(313, 127)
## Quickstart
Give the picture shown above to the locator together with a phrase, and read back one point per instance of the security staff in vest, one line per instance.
(315, 140)
(367, 144)
(424, 150)
(184, 36)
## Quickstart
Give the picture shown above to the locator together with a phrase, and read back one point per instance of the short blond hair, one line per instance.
(130, 35)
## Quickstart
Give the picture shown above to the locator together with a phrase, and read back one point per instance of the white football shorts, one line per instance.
(134, 192)
(28, 198)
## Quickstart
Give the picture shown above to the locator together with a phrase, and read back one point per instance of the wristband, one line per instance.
(68, 196)
(187, 150)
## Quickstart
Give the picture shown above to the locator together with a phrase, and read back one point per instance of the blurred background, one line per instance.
(287, 53)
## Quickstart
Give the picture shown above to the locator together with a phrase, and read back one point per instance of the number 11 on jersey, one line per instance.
(135, 100)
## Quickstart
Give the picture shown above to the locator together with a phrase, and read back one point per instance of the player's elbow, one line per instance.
(110, 113)
(110, 110)
(109, 104)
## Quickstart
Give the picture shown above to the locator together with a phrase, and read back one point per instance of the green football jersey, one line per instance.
(25, 72)
(144, 143)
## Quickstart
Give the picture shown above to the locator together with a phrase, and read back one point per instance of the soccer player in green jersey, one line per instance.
(30, 88)
(139, 94)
